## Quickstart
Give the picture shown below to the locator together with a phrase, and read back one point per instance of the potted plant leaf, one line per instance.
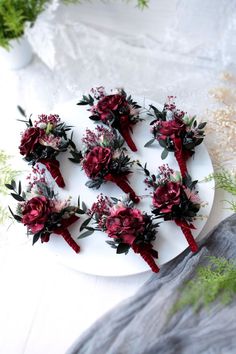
(14, 16)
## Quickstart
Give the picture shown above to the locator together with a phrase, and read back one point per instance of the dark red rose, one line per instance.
(96, 160)
(166, 196)
(110, 103)
(125, 223)
(35, 213)
(170, 128)
(29, 139)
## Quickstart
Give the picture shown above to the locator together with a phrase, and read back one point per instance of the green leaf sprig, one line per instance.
(217, 281)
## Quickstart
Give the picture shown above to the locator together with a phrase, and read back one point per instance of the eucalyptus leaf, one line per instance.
(150, 142)
(85, 234)
(164, 154)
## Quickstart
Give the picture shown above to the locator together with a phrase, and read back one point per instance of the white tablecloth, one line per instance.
(44, 306)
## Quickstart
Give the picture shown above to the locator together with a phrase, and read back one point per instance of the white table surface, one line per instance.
(44, 306)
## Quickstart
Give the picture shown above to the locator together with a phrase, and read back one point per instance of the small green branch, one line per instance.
(225, 180)
(215, 281)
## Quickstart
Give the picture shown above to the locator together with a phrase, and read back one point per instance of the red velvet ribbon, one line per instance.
(121, 182)
(124, 130)
(52, 166)
(145, 254)
(186, 229)
(63, 231)
(180, 156)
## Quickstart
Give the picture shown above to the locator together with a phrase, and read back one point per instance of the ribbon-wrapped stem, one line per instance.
(145, 254)
(63, 231)
(121, 182)
(124, 129)
(53, 166)
(67, 237)
(186, 229)
(180, 156)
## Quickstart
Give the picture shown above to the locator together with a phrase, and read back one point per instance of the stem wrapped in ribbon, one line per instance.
(105, 159)
(121, 182)
(52, 165)
(145, 252)
(186, 229)
(174, 198)
(124, 130)
(116, 110)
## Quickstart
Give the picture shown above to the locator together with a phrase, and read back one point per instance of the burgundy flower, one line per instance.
(170, 128)
(110, 103)
(30, 139)
(125, 223)
(35, 213)
(96, 160)
(166, 196)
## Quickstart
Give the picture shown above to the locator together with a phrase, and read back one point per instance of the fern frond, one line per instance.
(225, 180)
(215, 281)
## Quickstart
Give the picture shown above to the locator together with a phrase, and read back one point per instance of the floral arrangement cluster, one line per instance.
(116, 110)
(176, 132)
(42, 212)
(42, 142)
(127, 226)
(104, 159)
(174, 198)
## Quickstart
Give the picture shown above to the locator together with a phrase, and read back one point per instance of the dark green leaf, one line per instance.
(18, 197)
(82, 103)
(19, 188)
(164, 154)
(9, 186)
(199, 141)
(84, 207)
(94, 117)
(79, 211)
(35, 238)
(85, 223)
(162, 143)
(13, 183)
(22, 111)
(202, 125)
(85, 234)
(115, 200)
(122, 248)
(150, 142)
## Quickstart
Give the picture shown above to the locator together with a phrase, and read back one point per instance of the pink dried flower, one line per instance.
(54, 119)
(58, 205)
(51, 140)
(192, 195)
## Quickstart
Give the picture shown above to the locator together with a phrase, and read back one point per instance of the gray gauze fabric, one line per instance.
(142, 323)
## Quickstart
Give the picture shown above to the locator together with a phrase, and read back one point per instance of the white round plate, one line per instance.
(96, 256)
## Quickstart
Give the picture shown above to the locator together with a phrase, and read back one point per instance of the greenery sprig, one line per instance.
(7, 173)
(225, 180)
(215, 281)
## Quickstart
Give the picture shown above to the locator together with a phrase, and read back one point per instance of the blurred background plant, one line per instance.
(7, 174)
(16, 14)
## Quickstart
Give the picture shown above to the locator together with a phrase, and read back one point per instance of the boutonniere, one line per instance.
(117, 110)
(126, 226)
(174, 198)
(43, 141)
(105, 159)
(42, 212)
(176, 132)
